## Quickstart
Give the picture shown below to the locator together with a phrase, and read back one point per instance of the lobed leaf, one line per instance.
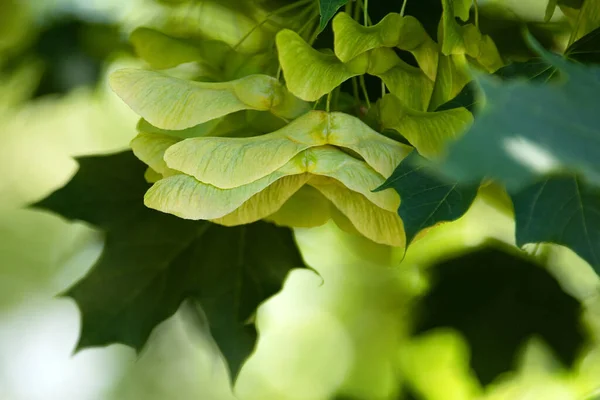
(100, 196)
(152, 262)
(560, 209)
(497, 295)
(426, 199)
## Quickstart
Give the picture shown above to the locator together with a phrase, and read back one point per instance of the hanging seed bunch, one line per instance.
(245, 135)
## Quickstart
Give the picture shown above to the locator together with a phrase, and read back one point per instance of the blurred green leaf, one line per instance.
(327, 9)
(563, 210)
(498, 299)
(537, 70)
(528, 129)
(425, 199)
(587, 49)
(153, 261)
(162, 51)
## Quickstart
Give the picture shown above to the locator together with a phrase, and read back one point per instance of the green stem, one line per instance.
(311, 15)
(366, 13)
(355, 90)
(348, 9)
(328, 104)
(357, 7)
(363, 86)
(476, 6)
(336, 97)
(315, 33)
(403, 9)
(317, 103)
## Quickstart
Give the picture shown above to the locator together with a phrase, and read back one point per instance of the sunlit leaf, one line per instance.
(171, 103)
(562, 210)
(426, 199)
(428, 132)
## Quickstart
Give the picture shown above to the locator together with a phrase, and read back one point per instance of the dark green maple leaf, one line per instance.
(527, 129)
(152, 262)
(587, 49)
(498, 299)
(536, 69)
(426, 199)
(562, 210)
(327, 9)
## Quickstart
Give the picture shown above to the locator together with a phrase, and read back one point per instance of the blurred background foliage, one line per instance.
(461, 315)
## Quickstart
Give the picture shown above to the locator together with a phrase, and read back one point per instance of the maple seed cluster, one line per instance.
(232, 143)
